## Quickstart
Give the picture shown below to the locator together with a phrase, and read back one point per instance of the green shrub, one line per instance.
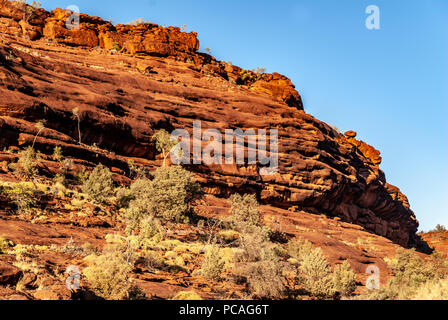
(410, 273)
(153, 260)
(298, 248)
(22, 195)
(244, 210)
(344, 279)
(186, 295)
(315, 274)
(27, 163)
(169, 196)
(136, 171)
(4, 245)
(57, 154)
(409, 270)
(108, 273)
(99, 185)
(213, 264)
(256, 260)
(432, 290)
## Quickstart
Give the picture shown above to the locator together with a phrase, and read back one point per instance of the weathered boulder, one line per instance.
(279, 87)
(9, 275)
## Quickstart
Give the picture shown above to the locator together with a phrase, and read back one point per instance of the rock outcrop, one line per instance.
(129, 81)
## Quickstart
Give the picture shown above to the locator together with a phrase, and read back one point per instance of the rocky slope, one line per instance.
(129, 81)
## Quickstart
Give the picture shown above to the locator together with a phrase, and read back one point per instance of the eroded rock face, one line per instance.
(142, 39)
(124, 98)
(367, 150)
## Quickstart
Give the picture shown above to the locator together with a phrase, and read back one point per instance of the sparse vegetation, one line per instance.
(108, 273)
(259, 265)
(213, 263)
(99, 185)
(432, 290)
(259, 71)
(22, 195)
(138, 21)
(244, 210)
(439, 228)
(28, 163)
(186, 295)
(40, 126)
(116, 47)
(57, 154)
(4, 245)
(315, 273)
(256, 261)
(164, 143)
(410, 275)
(29, 10)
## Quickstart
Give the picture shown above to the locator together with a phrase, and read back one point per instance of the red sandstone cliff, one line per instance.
(129, 81)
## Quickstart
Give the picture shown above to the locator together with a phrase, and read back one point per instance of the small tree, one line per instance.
(244, 210)
(164, 143)
(99, 185)
(316, 274)
(40, 127)
(77, 115)
(213, 264)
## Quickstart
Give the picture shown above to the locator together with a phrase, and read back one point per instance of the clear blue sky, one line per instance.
(389, 85)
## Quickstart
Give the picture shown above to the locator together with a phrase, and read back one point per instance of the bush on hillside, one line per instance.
(168, 196)
(244, 210)
(99, 185)
(315, 273)
(256, 260)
